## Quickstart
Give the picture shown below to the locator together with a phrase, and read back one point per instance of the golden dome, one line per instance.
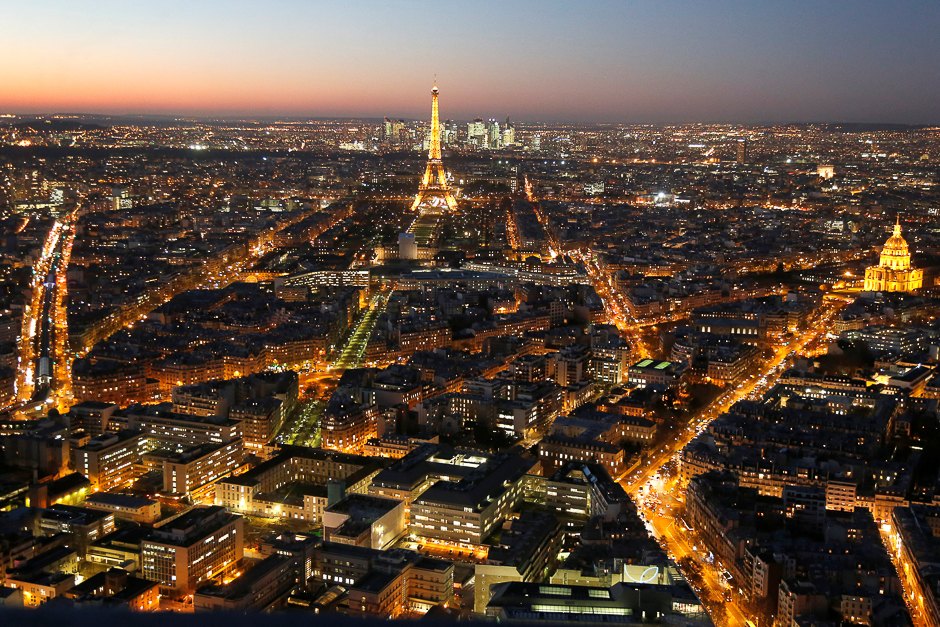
(896, 243)
(896, 246)
(895, 253)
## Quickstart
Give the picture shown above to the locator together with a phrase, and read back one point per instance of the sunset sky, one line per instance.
(627, 61)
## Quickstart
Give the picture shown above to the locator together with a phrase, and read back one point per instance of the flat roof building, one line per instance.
(316, 468)
(364, 520)
(586, 605)
(109, 461)
(116, 588)
(464, 512)
(42, 587)
(193, 472)
(125, 507)
(262, 587)
(200, 545)
(85, 525)
(526, 549)
(653, 372)
(119, 549)
(388, 583)
(167, 429)
(584, 489)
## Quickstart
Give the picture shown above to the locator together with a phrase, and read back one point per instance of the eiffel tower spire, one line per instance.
(434, 193)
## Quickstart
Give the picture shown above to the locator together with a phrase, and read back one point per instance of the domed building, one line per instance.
(894, 273)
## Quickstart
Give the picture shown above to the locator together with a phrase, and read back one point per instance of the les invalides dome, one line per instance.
(894, 273)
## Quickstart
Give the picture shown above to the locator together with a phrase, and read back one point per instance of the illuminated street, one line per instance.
(304, 429)
(642, 480)
(44, 372)
(914, 593)
(351, 354)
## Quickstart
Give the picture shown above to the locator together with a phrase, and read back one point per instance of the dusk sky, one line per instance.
(607, 61)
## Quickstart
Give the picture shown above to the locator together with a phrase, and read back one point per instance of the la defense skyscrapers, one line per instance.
(435, 194)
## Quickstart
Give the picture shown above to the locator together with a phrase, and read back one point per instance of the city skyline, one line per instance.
(597, 313)
(626, 63)
(304, 376)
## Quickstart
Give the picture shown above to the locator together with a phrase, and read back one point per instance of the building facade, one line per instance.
(193, 549)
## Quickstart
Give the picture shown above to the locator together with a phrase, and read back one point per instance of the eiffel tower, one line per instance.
(435, 194)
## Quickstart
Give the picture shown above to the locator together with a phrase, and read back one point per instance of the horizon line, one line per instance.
(9, 116)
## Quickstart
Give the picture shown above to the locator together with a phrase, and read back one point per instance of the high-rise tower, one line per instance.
(435, 194)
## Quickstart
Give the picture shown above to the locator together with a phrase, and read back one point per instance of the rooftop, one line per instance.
(119, 500)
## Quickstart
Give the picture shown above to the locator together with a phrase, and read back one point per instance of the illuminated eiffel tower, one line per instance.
(435, 194)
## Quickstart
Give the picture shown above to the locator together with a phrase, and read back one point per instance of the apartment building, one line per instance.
(464, 512)
(168, 429)
(196, 547)
(125, 507)
(193, 472)
(109, 461)
(296, 482)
